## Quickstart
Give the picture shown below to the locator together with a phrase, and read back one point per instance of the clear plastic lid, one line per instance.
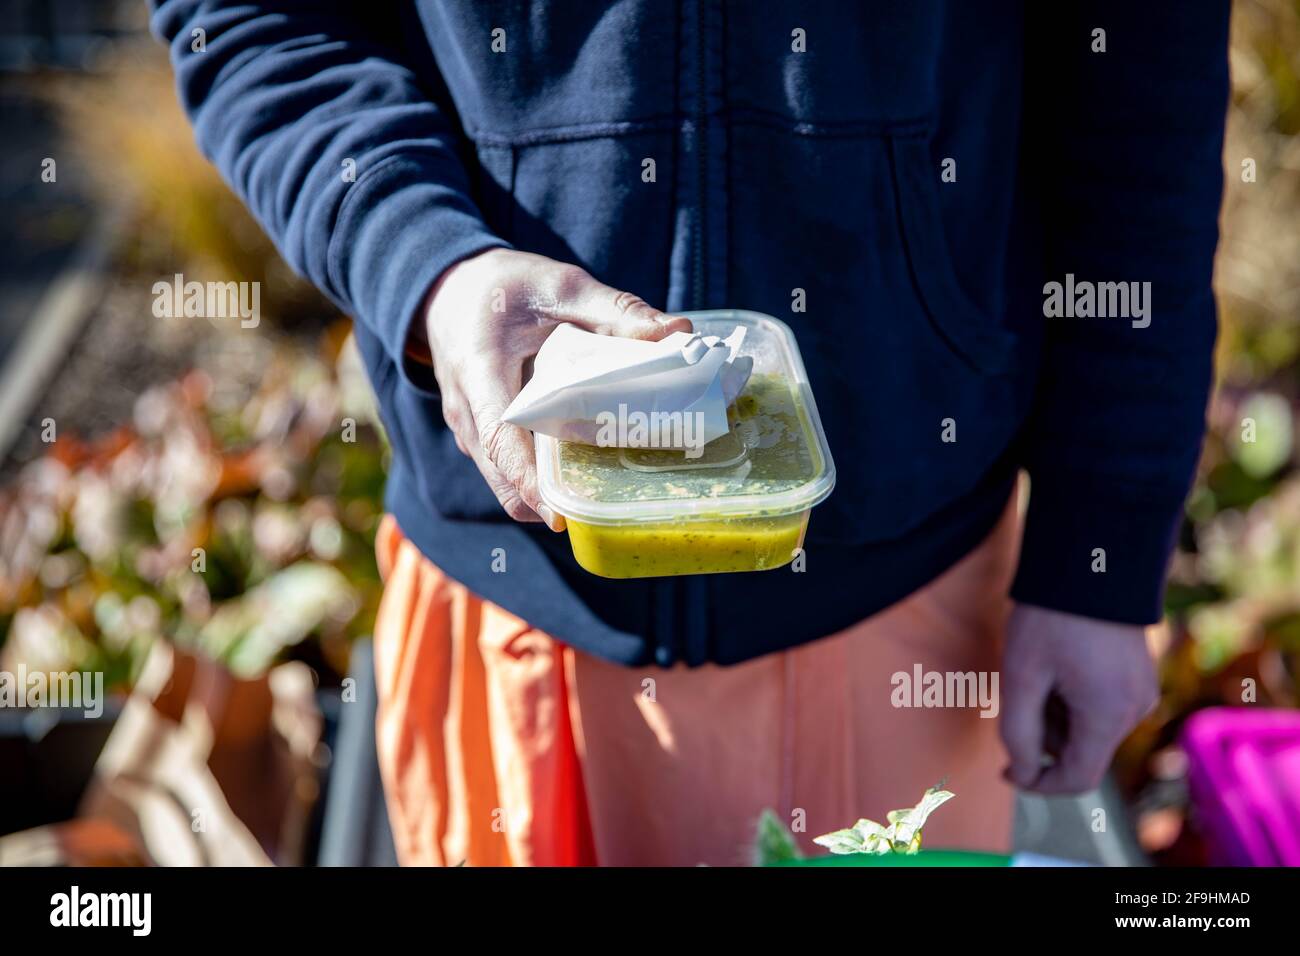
(773, 462)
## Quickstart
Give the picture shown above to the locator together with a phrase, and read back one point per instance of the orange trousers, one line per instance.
(499, 745)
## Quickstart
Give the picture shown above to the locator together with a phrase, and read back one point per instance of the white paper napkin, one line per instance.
(629, 393)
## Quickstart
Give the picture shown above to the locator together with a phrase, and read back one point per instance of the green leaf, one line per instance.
(842, 842)
(875, 838)
(774, 843)
(1270, 435)
(907, 824)
(249, 632)
(869, 828)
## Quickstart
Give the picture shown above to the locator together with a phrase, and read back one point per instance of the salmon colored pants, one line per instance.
(499, 745)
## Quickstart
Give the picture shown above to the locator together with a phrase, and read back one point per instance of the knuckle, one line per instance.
(493, 434)
(628, 304)
(514, 505)
(569, 282)
(498, 441)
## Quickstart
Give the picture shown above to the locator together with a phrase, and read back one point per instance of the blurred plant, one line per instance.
(773, 843)
(240, 530)
(1258, 268)
(234, 513)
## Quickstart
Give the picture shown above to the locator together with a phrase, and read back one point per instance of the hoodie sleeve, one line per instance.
(351, 167)
(1124, 145)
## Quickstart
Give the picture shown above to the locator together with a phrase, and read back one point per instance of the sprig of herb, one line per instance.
(902, 835)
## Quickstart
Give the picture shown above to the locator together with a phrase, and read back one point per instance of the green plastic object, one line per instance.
(923, 858)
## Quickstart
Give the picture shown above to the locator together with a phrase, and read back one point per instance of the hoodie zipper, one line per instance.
(690, 595)
(699, 285)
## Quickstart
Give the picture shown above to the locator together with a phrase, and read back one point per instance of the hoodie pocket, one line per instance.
(841, 236)
(970, 334)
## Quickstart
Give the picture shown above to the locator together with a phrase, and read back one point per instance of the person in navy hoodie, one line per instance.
(991, 227)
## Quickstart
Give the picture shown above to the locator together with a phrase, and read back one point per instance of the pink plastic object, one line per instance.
(1244, 776)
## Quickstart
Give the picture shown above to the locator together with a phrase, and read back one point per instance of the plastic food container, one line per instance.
(742, 505)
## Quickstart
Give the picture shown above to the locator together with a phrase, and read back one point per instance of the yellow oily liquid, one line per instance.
(687, 547)
(767, 452)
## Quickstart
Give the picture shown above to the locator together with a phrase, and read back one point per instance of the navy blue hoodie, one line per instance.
(898, 181)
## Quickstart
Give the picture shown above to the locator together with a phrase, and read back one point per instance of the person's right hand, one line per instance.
(485, 319)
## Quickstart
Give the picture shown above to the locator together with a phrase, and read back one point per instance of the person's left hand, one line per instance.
(1072, 688)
